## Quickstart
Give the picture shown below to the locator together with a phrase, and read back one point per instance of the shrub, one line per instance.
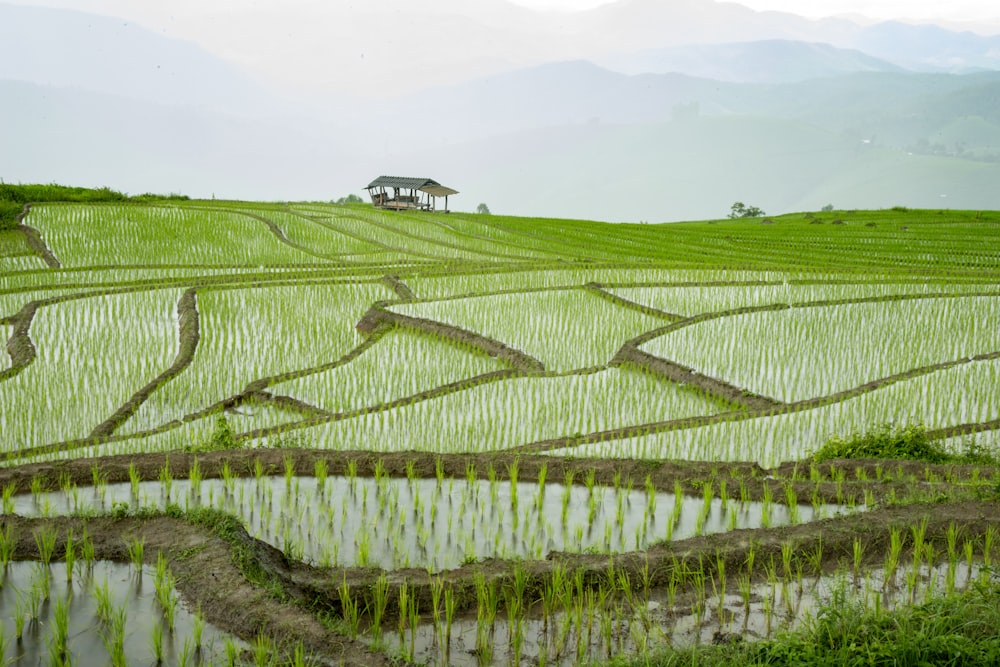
(884, 442)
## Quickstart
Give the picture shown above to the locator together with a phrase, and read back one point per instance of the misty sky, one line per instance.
(970, 11)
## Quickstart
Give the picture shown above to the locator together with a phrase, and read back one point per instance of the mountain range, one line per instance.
(637, 110)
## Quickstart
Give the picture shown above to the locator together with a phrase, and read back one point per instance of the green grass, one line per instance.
(889, 441)
(960, 629)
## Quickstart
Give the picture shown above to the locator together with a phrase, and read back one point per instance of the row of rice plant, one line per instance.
(960, 395)
(570, 622)
(5, 333)
(21, 263)
(437, 523)
(480, 235)
(86, 611)
(313, 234)
(797, 354)
(503, 414)
(101, 235)
(92, 278)
(697, 299)
(566, 330)
(401, 363)
(359, 224)
(484, 281)
(576, 620)
(430, 228)
(248, 334)
(92, 355)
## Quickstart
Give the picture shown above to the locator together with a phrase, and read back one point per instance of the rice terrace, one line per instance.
(309, 433)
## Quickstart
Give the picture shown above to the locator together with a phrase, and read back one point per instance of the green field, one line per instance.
(212, 341)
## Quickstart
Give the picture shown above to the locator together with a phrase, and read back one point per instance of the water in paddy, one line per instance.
(431, 524)
(596, 628)
(34, 597)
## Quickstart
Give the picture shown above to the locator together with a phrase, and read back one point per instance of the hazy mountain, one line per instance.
(930, 47)
(766, 61)
(779, 124)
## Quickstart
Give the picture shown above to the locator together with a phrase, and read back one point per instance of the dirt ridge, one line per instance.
(188, 337)
(599, 290)
(684, 375)
(20, 348)
(401, 289)
(35, 240)
(378, 315)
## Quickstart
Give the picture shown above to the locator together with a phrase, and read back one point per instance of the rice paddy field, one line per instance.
(268, 433)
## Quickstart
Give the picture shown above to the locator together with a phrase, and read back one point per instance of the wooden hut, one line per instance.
(402, 193)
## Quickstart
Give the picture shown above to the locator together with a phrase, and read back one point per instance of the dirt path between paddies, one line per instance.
(187, 325)
(35, 240)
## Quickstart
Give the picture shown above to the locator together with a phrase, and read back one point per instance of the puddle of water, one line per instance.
(596, 628)
(432, 524)
(106, 609)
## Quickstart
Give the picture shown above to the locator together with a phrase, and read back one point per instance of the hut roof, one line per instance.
(428, 185)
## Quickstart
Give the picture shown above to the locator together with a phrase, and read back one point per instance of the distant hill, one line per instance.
(767, 61)
(65, 48)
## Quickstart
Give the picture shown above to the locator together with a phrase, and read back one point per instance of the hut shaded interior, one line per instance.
(403, 193)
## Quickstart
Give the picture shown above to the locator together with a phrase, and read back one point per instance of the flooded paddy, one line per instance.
(437, 524)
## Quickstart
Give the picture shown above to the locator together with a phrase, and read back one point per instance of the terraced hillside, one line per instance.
(302, 359)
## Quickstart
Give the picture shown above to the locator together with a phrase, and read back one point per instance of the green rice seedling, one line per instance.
(262, 650)
(195, 477)
(858, 552)
(87, 551)
(765, 511)
(404, 602)
(45, 540)
(919, 531)
(349, 608)
(185, 654)
(512, 471)
(36, 489)
(232, 650)
(104, 605)
(70, 556)
(380, 600)
(20, 616)
(197, 628)
(449, 617)
(414, 620)
(437, 589)
(113, 637)
(59, 637)
(8, 543)
(8, 497)
(989, 540)
(166, 479)
(156, 641)
(136, 550)
(320, 472)
(892, 558)
(289, 464)
(134, 478)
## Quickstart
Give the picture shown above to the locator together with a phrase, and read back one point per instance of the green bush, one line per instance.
(9, 211)
(887, 441)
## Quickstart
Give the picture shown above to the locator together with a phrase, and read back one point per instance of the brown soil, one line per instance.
(378, 315)
(401, 289)
(187, 316)
(35, 240)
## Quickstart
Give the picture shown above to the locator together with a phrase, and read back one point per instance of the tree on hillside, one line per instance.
(350, 199)
(741, 210)
(483, 208)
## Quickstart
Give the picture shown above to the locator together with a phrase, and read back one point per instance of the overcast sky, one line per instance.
(972, 11)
